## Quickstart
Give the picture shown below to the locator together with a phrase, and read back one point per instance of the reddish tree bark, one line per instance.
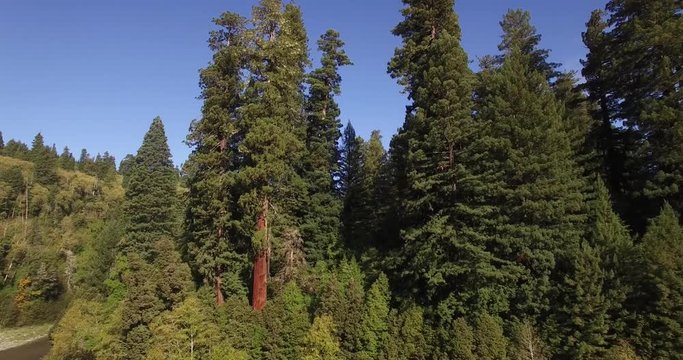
(260, 285)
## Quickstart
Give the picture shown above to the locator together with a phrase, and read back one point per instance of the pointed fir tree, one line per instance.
(610, 238)
(150, 195)
(320, 228)
(211, 242)
(66, 160)
(536, 188)
(2, 143)
(350, 184)
(45, 172)
(519, 33)
(272, 148)
(442, 250)
(659, 294)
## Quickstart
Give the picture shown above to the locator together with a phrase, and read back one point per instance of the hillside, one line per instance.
(48, 233)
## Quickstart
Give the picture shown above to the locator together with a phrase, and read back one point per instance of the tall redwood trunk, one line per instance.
(217, 284)
(261, 264)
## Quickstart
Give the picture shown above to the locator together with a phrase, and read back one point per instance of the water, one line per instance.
(34, 350)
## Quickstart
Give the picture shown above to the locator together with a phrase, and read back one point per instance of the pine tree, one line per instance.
(66, 160)
(45, 164)
(215, 250)
(351, 185)
(17, 149)
(442, 251)
(583, 322)
(320, 341)
(632, 68)
(375, 318)
(150, 195)
(536, 188)
(519, 33)
(611, 240)
(491, 344)
(462, 341)
(659, 293)
(2, 143)
(272, 128)
(320, 227)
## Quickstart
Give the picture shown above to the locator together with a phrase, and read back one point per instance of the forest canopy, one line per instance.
(520, 212)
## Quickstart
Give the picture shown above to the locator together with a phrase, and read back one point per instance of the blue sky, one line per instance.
(93, 74)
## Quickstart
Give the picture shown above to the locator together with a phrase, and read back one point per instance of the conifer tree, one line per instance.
(659, 293)
(2, 143)
(351, 184)
(212, 243)
(519, 33)
(491, 344)
(45, 163)
(321, 343)
(66, 160)
(320, 227)
(632, 68)
(537, 190)
(376, 315)
(272, 147)
(150, 195)
(610, 238)
(442, 251)
(462, 341)
(17, 149)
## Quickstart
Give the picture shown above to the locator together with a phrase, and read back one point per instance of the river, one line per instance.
(34, 350)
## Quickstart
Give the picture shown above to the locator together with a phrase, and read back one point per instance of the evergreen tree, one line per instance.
(66, 160)
(150, 195)
(2, 143)
(215, 250)
(375, 321)
(406, 336)
(320, 341)
(537, 187)
(633, 68)
(272, 149)
(659, 294)
(461, 345)
(442, 259)
(611, 240)
(287, 324)
(583, 322)
(491, 344)
(17, 149)
(351, 184)
(519, 33)
(320, 227)
(45, 164)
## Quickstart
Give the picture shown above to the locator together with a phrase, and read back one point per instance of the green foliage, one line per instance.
(320, 227)
(320, 341)
(287, 322)
(659, 290)
(150, 194)
(406, 338)
(526, 343)
(45, 163)
(491, 344)
(461, 341)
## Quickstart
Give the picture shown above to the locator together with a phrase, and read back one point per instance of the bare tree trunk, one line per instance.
(260, 285)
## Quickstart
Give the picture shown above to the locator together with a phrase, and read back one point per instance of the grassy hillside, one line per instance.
(44, 232)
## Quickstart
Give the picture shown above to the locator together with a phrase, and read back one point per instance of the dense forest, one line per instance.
(520, 212)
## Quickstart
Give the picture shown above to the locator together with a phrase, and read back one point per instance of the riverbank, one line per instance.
(34, 350)
(31, 337)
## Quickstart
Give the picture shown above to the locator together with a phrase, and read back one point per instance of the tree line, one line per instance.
(518, 213)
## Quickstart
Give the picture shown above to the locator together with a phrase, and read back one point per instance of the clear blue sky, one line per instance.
(92, 74)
